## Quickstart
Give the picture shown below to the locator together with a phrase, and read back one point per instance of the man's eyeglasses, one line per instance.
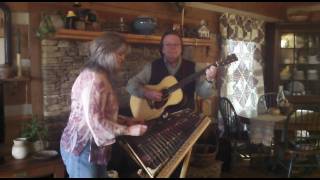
(172, 45)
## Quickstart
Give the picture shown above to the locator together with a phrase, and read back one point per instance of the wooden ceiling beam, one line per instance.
(222, 9)
(300, 9)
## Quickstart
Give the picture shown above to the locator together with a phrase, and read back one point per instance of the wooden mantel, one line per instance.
(131, 38)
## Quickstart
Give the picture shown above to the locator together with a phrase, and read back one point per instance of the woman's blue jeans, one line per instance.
(80, 167)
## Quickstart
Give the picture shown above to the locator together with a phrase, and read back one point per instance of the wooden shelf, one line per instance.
(131, 38)
(16, 79)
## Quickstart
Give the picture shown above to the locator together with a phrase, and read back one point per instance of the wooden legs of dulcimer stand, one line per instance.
(185, 165)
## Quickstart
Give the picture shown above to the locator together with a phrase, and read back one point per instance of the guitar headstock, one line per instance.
(229, 59)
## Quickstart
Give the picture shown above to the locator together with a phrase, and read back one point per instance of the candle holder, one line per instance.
(19, 68)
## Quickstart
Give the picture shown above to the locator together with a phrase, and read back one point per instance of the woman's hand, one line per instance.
(128, 121)
(136, 130)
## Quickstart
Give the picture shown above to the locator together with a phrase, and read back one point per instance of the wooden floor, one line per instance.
(243, 169)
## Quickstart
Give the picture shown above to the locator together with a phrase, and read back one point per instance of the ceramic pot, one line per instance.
(20, 148)
(39, 146)
(144, 25)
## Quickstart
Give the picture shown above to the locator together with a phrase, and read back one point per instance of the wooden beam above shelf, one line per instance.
(131, 38)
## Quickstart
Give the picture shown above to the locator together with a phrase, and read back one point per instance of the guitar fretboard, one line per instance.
(192, 77)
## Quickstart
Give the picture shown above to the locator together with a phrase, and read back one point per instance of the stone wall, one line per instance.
(61, 63)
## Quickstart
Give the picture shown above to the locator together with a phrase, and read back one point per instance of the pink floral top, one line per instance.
(94, 112)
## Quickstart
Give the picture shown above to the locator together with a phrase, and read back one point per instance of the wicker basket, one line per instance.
(211, 171)
(203, 155)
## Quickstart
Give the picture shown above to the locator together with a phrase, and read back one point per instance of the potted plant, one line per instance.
(36, 133)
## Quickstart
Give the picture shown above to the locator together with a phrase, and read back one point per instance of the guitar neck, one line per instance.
(188, 79)
(182, 83)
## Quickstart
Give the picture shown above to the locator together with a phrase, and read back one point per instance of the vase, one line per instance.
(20, 148)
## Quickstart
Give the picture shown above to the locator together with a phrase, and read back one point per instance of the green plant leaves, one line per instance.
(34, 130)
(46, 28)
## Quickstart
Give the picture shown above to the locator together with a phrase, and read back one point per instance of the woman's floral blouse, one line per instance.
(93, 117)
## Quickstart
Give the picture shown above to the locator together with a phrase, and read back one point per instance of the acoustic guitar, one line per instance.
(172, 94)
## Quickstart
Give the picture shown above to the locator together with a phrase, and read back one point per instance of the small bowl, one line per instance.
(45, 154)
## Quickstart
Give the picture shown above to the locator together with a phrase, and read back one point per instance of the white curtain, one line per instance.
(242, 81)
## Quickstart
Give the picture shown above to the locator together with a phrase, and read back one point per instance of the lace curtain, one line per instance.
(242, 81)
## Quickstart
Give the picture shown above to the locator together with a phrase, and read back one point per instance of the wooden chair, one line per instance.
(266, 101)
(301, 139)
(234, 128)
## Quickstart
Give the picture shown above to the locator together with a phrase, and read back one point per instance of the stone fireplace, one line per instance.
(62, 61)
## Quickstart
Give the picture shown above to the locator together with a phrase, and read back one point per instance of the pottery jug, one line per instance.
(20, 148)
(144, 25)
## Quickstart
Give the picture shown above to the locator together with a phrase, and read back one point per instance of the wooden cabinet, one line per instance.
(293, 58)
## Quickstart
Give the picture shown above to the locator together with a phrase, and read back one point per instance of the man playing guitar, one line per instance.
(171, 63)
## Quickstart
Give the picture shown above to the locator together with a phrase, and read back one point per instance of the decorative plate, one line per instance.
(45, 154)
